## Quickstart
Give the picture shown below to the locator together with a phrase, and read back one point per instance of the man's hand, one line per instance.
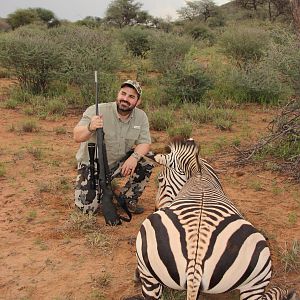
(129, 166)
(96, 122)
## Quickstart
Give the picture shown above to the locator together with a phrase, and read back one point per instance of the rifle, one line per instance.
(101, 178)
(104, 183)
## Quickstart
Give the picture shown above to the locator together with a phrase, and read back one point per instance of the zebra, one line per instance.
(200, 242)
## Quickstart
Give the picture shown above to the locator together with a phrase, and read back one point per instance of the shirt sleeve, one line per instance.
(87, 115)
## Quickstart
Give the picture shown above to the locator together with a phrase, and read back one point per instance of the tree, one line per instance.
(89, 21)
(27, 16)
(22, 17)
(202, 9)
(125, 12)
(250, 4)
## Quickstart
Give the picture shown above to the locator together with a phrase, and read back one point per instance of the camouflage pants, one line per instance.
(88, 199)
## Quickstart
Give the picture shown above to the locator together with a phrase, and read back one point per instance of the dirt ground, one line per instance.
(50, 251)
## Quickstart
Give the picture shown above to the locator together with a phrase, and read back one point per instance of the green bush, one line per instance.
(2, 169)
(188, 82)
(197, 113)
(10, 104)
(56, 106)
(244, 44)
(161, 120)
(201, 32)
(257, 83)
(32, 56)
(283, 55)
(87, 50)
(168, 51)
(183, 130)
(136, 40)
(20, 96)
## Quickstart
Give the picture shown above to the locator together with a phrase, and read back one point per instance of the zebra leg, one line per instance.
(274, 293)
(151, 288)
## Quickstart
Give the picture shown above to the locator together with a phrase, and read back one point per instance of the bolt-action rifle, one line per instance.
(101, 177)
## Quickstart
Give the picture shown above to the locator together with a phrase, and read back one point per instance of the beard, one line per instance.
(124, 107)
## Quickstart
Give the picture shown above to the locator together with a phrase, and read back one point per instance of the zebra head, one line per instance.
(178, 166)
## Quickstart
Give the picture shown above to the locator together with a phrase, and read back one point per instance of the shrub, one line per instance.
(161, 120)
(201, 32)
(188, 82)
(168, 51)
(86, 50)
(197, 113)
(136, 40)
(10, 104)
(283, 55)
(223, 124)
(184, 130)
(244, 43)
(20, 96)
(254, 83)
(32, 56)
(29, 126)
(2, 169)
(56, 106)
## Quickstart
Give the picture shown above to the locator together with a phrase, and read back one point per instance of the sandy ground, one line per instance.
(50, 251)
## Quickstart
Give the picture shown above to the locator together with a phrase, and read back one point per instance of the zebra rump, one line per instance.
(200, 242)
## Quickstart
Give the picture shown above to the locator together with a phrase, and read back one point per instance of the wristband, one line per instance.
(89, 128)
(136, 156)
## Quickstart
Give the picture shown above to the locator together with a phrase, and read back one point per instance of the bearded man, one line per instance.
(127, 139)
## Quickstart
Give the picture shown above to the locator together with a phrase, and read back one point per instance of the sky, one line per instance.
(73, 10)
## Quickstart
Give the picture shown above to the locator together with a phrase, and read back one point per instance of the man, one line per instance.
(127, 139)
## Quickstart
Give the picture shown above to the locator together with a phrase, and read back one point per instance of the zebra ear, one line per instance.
(160, 159)
(151, 155)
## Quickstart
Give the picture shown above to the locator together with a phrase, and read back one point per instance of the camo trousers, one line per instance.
(88, 199)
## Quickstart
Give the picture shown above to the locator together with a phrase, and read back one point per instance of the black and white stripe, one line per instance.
(200, 242)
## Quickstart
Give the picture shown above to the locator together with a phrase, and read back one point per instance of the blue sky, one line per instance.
(79, 9)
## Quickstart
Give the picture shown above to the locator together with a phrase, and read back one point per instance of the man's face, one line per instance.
(127, 99)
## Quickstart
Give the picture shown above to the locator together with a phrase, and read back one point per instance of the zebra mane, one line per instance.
(190, 143)
(178, 142)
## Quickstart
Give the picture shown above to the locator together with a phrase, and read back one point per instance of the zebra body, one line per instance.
(201, 242)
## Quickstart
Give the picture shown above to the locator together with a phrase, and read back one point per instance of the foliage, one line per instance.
(244, 44)
(2, 169)
(283, 142)
(188, 82)
(27, 16)
(200, 113)
(125, 12)
(162, 119)
(136, 40)
(291, 257)
(201, 32)
(253, 83)
(90, 22)
(183, 130)
(32, 56)
(168, 50)
(202, 10)
(86, 50)
(284, 56)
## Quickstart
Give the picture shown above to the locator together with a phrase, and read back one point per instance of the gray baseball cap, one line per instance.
(133, 84)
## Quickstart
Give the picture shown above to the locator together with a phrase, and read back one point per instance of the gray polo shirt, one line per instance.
(120, 136)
